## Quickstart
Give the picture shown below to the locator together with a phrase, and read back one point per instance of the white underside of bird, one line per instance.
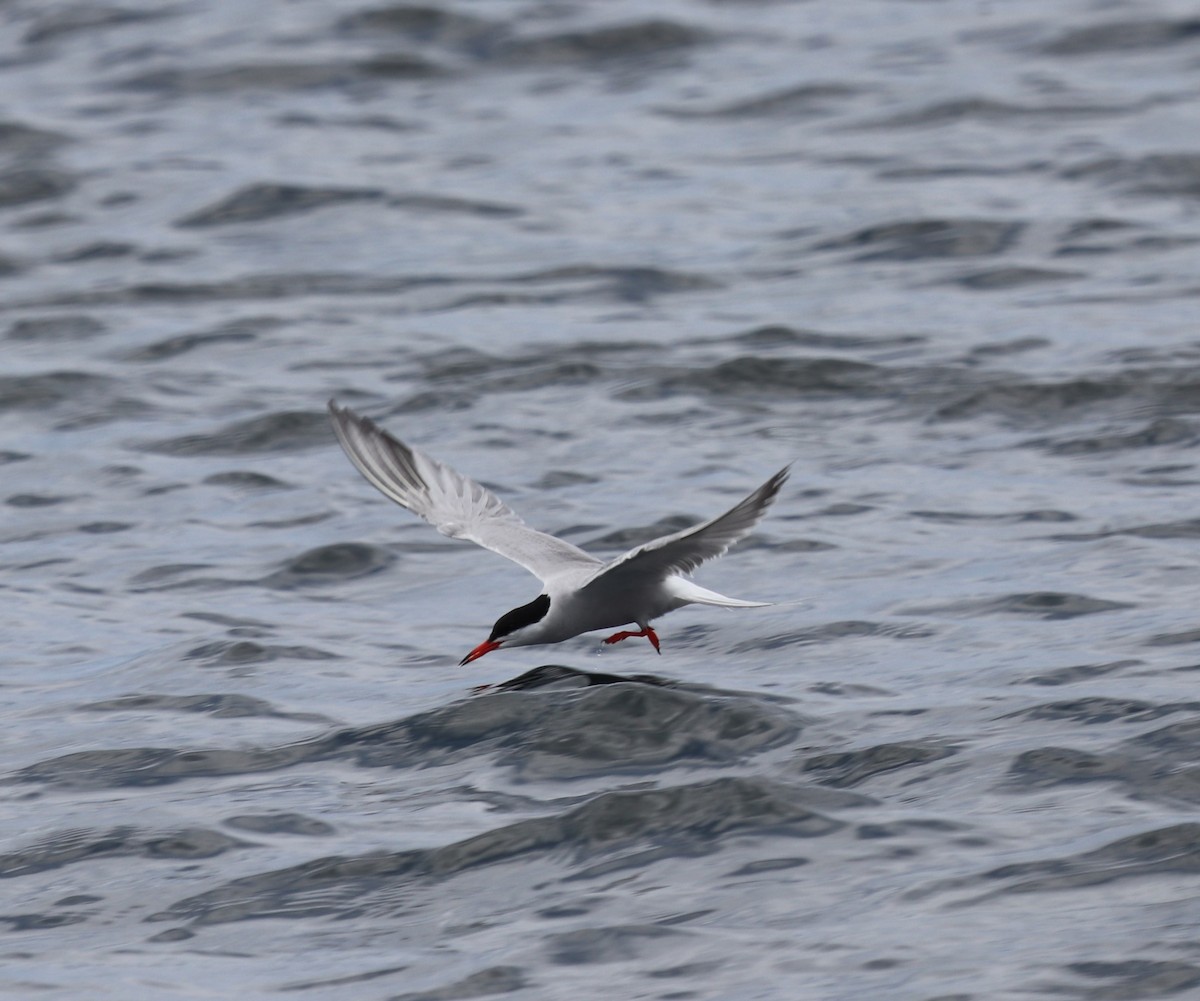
(580, 593)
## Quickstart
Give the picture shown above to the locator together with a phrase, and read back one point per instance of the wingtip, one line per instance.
(349, 425)
(776, 482)
(337, 413)
(341, 417)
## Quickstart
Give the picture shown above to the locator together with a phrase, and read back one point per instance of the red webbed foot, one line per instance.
(648, 632)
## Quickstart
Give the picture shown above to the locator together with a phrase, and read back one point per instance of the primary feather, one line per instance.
(454, 504)
(682, 552)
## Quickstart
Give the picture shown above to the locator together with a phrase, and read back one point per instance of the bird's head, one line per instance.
(515, 628)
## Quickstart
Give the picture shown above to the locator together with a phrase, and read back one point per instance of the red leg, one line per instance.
(648, 632)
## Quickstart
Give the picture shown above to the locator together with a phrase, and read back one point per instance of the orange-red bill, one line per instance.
(487, 646)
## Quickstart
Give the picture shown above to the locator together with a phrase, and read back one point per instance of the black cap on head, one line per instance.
(526, 615)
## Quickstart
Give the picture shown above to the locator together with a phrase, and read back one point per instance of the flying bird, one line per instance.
(579, 593)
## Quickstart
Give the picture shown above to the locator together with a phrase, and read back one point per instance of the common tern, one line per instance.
(579, 592)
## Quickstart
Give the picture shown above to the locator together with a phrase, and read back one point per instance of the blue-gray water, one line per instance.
(620, 261)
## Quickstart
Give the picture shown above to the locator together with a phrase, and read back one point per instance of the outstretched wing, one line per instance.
(683, 552)
(454, 504)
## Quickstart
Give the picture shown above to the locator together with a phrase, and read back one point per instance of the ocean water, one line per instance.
(620, 261)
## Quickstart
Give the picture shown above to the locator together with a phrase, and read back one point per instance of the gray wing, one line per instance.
(454, 504)
(683, 552)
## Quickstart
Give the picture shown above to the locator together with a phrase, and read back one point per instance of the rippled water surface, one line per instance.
(620, 261)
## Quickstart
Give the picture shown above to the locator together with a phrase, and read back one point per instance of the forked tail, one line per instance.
(686, 590)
